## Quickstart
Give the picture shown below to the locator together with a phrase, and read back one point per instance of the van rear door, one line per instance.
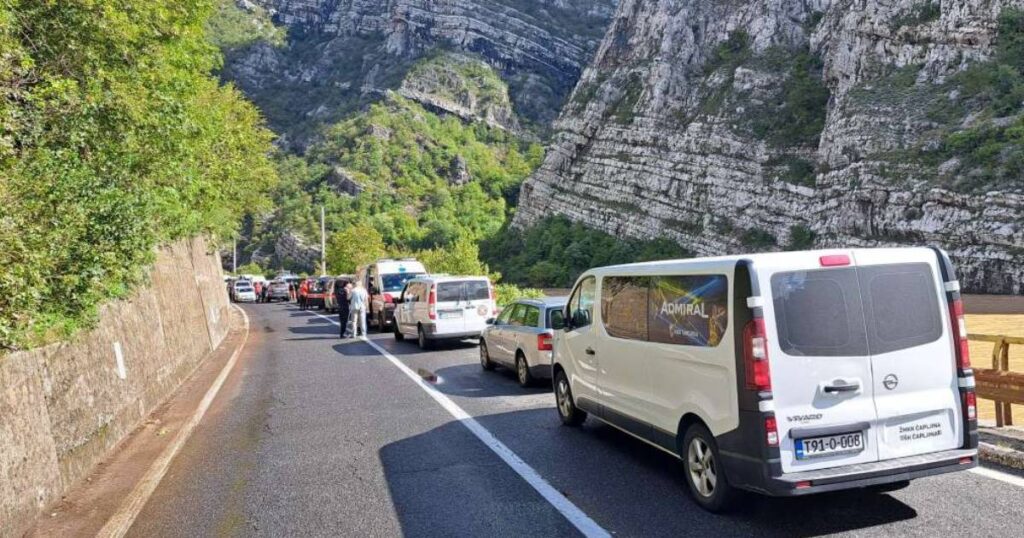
(912, 355)
(822, 383)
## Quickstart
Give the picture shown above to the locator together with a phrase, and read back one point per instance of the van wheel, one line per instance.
(422, 340)
(523, 371)
(485, 357)
(704, 473)
(398, 334)
(567, 410)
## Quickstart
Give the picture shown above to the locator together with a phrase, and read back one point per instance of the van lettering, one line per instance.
(804, 418)
(683, 309)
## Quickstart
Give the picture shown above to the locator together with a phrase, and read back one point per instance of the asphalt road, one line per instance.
(315, 436)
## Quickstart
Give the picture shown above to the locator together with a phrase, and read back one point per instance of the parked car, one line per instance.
(384, 280)
(433, 308)
(331, 294)
(278, 291)
(520, 338)
(784, 374)
(314, 297)
(244, 292)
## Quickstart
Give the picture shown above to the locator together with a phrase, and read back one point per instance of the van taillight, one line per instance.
(755, 356)
(432, 304)
(543, 342)
(963, 349)
(971, 405)
(771, 432)
(387, 298)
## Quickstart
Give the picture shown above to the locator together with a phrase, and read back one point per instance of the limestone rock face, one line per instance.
(683, 127)
(342, 52)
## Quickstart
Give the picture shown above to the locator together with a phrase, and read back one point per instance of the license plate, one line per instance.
(449, 314)
(829, 445)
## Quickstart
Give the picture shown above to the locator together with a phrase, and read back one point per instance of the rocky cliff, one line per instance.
(741, 126)
(342, 53)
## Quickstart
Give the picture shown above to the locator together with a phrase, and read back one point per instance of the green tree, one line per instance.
(354, 246)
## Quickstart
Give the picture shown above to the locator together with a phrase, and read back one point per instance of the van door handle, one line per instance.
(590, 351)
(841, 387)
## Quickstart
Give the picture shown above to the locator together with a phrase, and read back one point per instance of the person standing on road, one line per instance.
(343, 294)
(357, 305)
(303, 291)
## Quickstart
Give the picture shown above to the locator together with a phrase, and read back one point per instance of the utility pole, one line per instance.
(323, 244)
(234, 255)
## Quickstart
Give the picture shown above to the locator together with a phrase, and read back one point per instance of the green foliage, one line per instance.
(797, 171)
(757, 238)
(801, 237)
(625, 108)
(462, 77)
(115, 138)
(797, 117)
(231, 27)
(919, 14)
(505, 294)
(355, 245)
(250, 268)
(555, 251)
(730, 54)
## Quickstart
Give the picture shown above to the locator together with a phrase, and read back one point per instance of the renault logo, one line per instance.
(891, 381)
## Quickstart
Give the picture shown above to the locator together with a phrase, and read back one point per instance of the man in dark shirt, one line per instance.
(341, 293)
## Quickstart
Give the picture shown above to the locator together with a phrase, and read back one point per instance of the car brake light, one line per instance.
(834, 260)
(771, 432)
(971, 404)
(963, 348)
(432, 304)
(755, 355)
(543, 342)
(388, 298)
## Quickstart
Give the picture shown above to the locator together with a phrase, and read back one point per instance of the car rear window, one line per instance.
(856, 311)
(463, 290)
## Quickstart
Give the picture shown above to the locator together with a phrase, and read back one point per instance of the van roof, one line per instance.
(722, 263)
(544, 301)
(448, 278)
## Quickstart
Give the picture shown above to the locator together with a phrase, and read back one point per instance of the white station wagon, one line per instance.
(783, 374)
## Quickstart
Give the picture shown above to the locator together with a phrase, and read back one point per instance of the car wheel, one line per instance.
(398, 334)
(567, 410)
(704, 473)
(523, 371)
(485, 357)
(421, 339)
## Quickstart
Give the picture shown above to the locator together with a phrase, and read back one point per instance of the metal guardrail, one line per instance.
(999, 383)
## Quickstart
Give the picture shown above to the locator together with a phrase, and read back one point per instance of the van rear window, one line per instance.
(465, 290)
(856, 311)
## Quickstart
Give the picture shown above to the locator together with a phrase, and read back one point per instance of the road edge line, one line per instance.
(577, 517)
(122, 520)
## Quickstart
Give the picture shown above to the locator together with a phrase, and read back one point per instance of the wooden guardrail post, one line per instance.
(1000, 384)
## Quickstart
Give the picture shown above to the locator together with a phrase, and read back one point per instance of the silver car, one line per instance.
(520, 338)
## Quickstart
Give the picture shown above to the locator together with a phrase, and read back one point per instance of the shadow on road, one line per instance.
(446, 482)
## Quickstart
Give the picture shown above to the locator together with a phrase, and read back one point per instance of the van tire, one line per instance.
(421, 339)
(705, 477)
(485, 357)
(399, 337)
(523, 371)
(567, 410)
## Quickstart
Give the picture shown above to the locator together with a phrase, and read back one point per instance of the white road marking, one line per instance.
(999, 475)
(570, 511)
(118, 525)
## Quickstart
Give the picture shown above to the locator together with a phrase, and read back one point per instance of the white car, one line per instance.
(244, 292)
(520, 338)
(432, 308)
(784, 374)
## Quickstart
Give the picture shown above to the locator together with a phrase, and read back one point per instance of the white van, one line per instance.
(783, 374)
(384, 280)
(439, 307)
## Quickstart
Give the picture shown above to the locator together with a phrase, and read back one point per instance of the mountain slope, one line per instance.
(741, 126)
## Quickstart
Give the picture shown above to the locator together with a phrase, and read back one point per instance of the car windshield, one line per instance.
(396, 281)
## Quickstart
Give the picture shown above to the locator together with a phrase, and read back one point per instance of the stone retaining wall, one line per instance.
(65, 406)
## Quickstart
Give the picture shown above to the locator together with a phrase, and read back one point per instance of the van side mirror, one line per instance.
(560, 320)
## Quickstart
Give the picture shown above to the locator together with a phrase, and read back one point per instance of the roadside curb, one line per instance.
(1003, 446)
(119, 524)
(1007, 457)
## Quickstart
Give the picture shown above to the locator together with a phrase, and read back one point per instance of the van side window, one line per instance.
(689, 310)
(581, 306)
(624, 306)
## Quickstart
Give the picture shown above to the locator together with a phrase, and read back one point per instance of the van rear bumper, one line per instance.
(870, 474)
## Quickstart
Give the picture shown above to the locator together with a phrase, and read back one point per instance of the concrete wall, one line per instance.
(65, 406)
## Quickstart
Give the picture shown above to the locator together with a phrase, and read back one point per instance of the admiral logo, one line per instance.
(804, 418)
